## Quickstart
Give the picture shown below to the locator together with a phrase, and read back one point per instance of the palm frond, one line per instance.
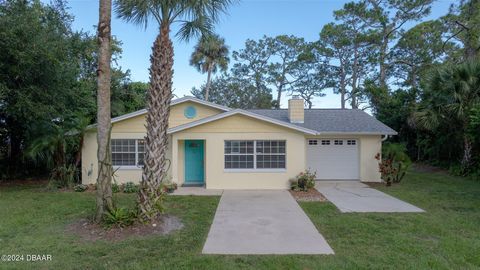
(201, 25)
(134, 11)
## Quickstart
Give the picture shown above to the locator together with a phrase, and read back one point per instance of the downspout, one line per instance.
(385, 138)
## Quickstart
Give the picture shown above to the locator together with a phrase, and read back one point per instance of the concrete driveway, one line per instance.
(354, 196)
(262, 222)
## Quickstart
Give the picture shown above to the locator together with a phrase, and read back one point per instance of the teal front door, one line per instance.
(194, 160)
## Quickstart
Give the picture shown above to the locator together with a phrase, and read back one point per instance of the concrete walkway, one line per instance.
(262, 222)
(197, 191)
(354, 196)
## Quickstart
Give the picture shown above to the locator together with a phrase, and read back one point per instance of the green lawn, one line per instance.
(447, 236)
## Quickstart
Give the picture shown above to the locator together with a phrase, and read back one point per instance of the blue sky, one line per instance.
(246, 19)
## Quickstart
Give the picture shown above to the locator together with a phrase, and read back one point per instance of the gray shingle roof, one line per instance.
(334, 121)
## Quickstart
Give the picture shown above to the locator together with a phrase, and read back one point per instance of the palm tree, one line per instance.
(451, 95)
(209, 55)
(58, 148)
(104, 200)
(195, 17)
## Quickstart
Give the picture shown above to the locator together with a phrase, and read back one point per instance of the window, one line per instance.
(140, 151)
(325, 142)
(312, 142)
(190, 112)
(254, 154)
(239, 155)
(351, 142)
(127, 152)
(270, 154)
(338, 142)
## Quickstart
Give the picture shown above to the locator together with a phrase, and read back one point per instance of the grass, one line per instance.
(447, 236)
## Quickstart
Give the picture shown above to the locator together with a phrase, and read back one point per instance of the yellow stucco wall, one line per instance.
(122, 174)
(241, 124)
(369, 147)
(133, 128)
(241, 128)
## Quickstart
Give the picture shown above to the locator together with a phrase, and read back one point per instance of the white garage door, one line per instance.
(333, 158)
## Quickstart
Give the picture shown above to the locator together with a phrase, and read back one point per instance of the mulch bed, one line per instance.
(24, 182)
(376, 184)
(91, 232)
(308, 196)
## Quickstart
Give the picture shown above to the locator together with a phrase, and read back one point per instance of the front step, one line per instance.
(200, 184)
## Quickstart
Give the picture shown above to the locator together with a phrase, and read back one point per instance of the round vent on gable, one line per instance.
(190, 112)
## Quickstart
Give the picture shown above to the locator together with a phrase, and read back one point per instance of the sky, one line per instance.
(248, 19)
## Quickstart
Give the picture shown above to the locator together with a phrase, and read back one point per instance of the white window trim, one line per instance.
(128, 167)
(254, 169)
(250, 170)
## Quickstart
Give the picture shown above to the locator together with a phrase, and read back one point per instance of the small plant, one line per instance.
(115, 188)
(386, 169)
(394, 164)
(130, 187)
(120, 217)
(304, 181)
(80, 188)
(170, 187)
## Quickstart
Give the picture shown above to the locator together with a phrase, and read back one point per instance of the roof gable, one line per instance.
(172, 103)
(244, 113)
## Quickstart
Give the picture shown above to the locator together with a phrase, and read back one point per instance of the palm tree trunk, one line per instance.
(209, 81)
(467, 152)
(104, 180)
(156, 142)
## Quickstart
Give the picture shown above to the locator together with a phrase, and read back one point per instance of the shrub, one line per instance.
(169, 187)
(115, 188)
(386, 169)
(120, 217)
(130, 187)
(80, 188)
(456, 169)
(394, 164)
(63, 176)
(304, 181)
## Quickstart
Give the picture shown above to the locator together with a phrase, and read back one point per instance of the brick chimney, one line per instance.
(295, 110)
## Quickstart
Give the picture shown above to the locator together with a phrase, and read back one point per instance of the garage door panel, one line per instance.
(333, 161)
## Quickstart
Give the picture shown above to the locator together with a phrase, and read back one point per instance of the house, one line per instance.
(224, 148)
